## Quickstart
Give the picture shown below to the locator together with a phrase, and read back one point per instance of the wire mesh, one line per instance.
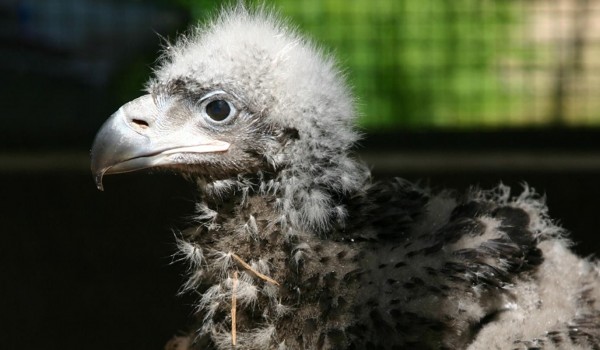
(464, 63)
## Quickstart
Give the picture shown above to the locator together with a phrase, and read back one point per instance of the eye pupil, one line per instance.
(218, 110)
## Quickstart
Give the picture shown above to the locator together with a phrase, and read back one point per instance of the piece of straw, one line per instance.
(249, 268)
(233, 307)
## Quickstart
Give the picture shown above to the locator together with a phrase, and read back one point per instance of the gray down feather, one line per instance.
(294, 237)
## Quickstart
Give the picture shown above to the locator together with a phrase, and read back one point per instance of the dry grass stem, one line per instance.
(233, 307)
(249, 268)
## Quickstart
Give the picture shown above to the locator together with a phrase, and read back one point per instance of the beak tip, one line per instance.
(98, 180)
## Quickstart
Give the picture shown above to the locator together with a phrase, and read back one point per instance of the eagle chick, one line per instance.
(295, 239)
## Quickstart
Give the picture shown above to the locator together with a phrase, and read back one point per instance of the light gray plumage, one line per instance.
(262, 120)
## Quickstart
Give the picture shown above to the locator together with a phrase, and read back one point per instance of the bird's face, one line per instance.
(242, 95)
(209, 132)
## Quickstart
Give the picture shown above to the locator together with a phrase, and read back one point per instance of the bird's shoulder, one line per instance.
(492, 229)
(450, 258)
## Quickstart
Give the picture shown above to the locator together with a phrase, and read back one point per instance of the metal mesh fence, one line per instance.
(464, 63)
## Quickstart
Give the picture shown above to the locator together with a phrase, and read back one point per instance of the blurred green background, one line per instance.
(460, 63)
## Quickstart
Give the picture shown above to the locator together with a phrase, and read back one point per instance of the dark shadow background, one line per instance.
(84, 269)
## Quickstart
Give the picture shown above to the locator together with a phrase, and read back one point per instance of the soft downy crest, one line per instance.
(254, 55)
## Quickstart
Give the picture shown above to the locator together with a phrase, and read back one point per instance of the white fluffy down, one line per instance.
(284, 78)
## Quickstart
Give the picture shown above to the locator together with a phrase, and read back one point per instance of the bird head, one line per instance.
(241, 94)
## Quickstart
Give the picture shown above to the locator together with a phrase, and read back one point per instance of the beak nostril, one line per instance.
(140, 123)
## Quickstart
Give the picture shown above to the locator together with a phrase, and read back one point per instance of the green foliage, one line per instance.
(409, 60)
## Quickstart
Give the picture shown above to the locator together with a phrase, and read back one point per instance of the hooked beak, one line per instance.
(133, 139)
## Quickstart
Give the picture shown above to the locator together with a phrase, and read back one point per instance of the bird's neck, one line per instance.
(308, 196)
(249, 244)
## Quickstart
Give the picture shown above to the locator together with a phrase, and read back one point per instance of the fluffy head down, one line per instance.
(276, 73)
(287, 85)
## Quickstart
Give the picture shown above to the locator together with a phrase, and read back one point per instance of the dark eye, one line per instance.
(218, 110)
